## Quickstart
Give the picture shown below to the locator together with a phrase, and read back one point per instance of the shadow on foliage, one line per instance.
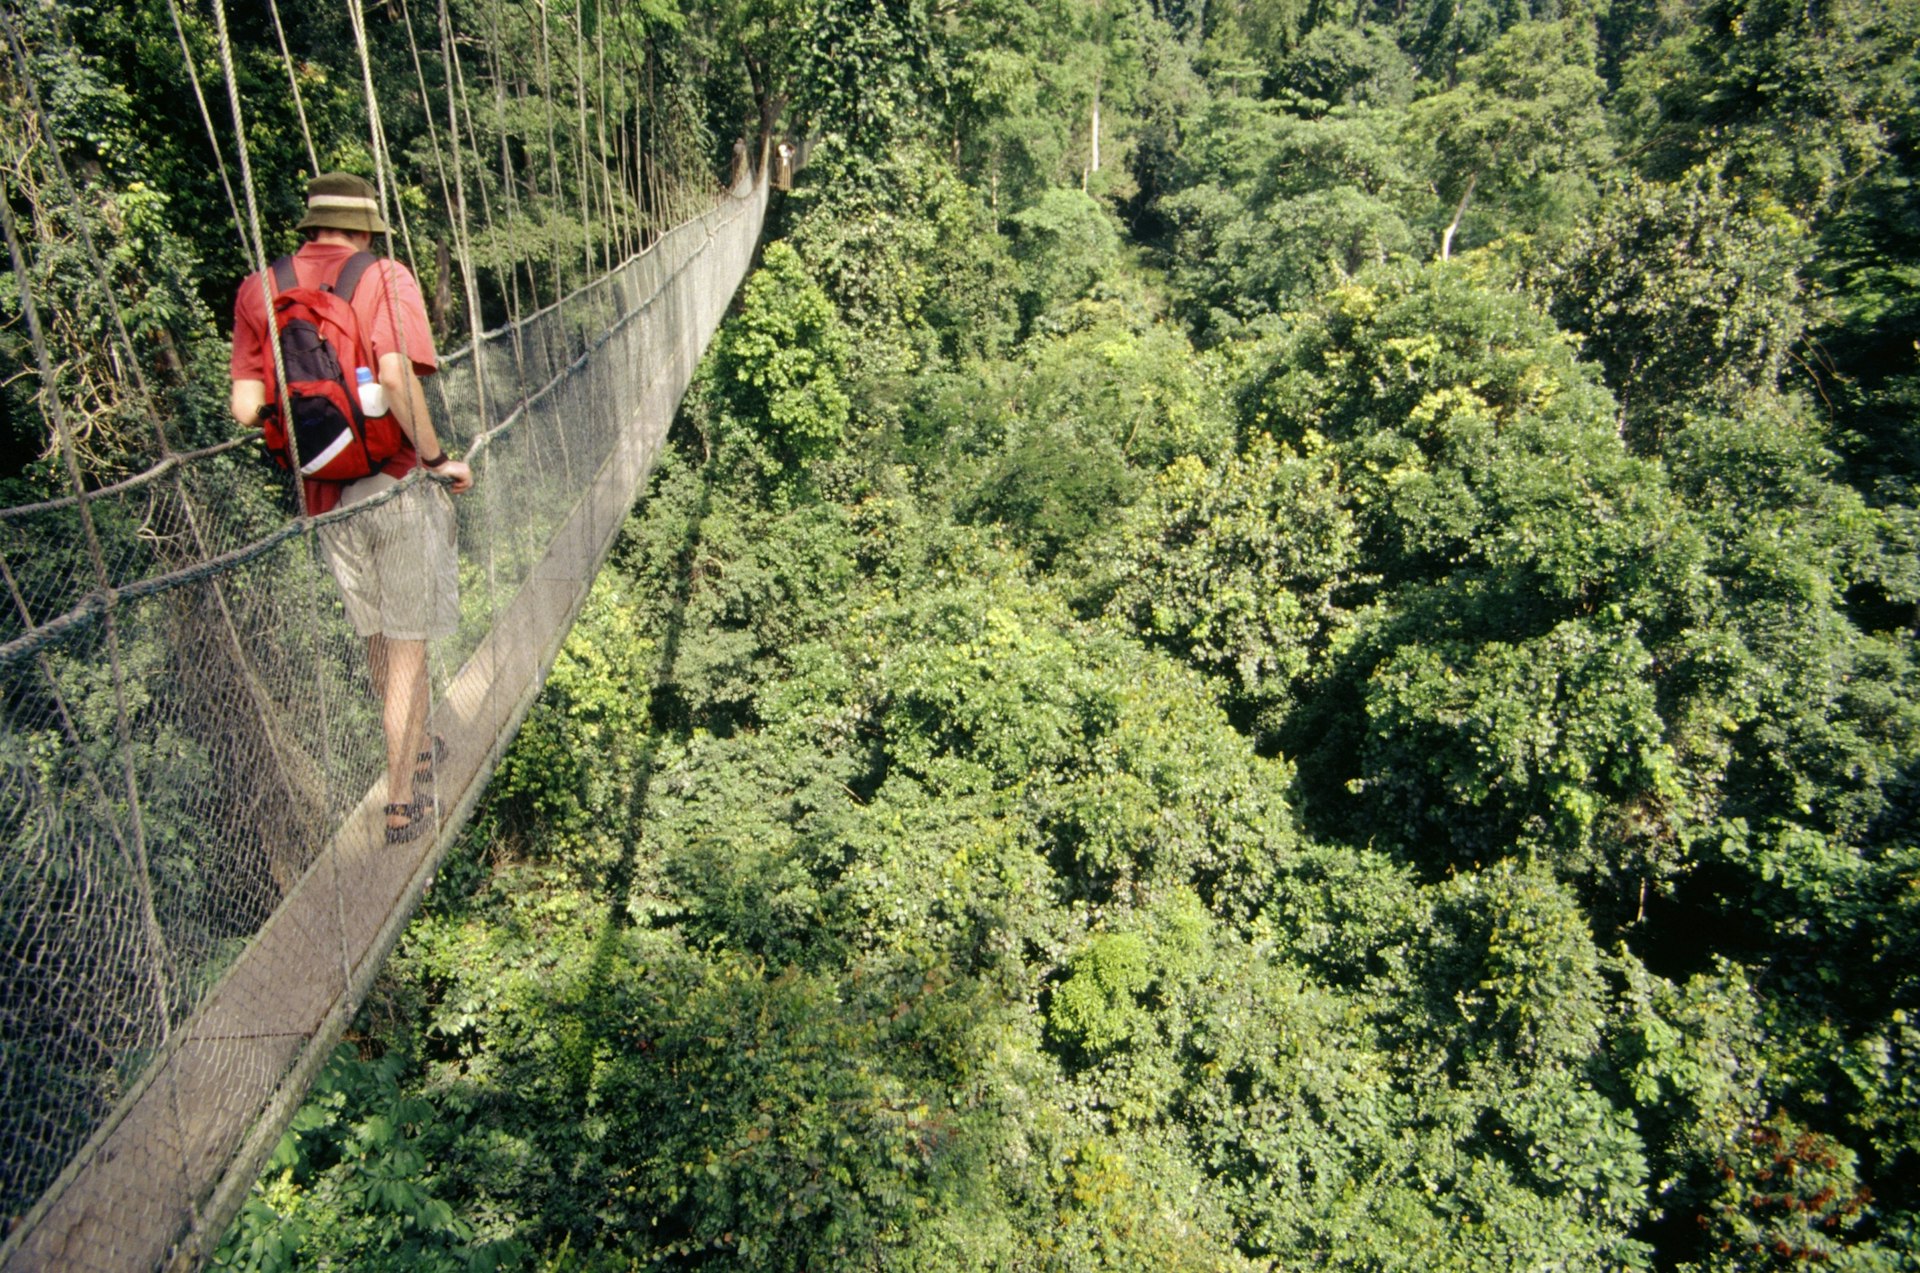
(660, 693)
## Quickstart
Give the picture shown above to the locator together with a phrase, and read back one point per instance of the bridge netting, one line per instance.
(195, 886)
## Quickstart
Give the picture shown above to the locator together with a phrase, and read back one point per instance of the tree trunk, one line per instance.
(1094, 166)
(1446, 240)
(442, 284)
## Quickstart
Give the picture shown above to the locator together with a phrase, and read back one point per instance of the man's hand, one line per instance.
(456, 474)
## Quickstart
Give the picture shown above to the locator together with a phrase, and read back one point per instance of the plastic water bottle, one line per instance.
(373, 394)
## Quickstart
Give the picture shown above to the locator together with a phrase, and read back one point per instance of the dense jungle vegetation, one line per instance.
(1280, 635)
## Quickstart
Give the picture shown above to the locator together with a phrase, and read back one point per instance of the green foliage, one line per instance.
(778, 370)
(1027, 81)
(1819, 706)
(1100, 396)
(1689, 296)
(350, 1179)
(1064, 241)
(1538, 743)
(773, 1117)
(903, 249)
(863, 70)
(1277, 208)
(1053, 489)
(1436, 33)
(1560, 653)
(1795, 101)
(1412, 787)
(566, 775)
(1520, 963)
(1345, 66)
(1517, 141)
(1097, 1005)
(1240, 568)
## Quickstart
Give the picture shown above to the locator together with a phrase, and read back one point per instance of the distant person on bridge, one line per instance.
(397, 563)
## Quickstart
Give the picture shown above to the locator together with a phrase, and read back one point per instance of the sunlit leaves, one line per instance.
(779, 366)
(1241, 567)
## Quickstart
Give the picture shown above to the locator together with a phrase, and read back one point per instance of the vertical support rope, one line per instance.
(647, 148)
(293, 82)
(509, 191)
(580, 99)
(152, 404)
(280, 371)
(459, 212)
(206, 117)
(449, 51)
(258, 241)
(553, 144)
(377, 140)
(616, 207)
(489, 493)
(143, 876)
(553, 168)
(450, 57)
(462, 239)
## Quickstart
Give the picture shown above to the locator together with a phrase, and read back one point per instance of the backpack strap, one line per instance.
(283, 276)
(349, 277)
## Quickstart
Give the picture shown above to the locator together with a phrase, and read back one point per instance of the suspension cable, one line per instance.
(170, 461)
(206, 117)
(458, 213)
(509, 186)
(57, 416)
(382, 161)
(293, 82)
(258, 243)
(580, 99)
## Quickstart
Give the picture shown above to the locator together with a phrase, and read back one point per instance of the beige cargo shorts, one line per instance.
(397, 563)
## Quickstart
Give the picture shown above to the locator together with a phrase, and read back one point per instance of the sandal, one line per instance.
(425, 762)
(417, 821)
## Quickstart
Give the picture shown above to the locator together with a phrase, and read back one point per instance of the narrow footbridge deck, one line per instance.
(198, 893)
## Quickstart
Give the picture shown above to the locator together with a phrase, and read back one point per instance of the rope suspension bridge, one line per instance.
(195, 892)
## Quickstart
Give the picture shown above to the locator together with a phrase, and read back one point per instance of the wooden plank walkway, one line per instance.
(160, 1181)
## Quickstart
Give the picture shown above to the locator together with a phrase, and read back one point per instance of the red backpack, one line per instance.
(321, 344)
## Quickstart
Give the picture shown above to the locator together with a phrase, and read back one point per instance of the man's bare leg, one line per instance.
(377, 665)
(400, 676)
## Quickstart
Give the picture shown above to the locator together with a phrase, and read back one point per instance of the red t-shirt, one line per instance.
(315, 265)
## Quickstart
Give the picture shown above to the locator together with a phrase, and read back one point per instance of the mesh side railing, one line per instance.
(195, 890)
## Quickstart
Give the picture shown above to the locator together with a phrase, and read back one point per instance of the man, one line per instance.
(396, 563)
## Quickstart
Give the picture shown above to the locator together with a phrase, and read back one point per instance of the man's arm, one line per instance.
(248, 397)
(408, 402)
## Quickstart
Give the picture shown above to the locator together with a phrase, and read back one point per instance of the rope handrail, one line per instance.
(177, 459)
(173, 461)
(195, 748)
(165, 1167)
(506, 329)
(96, 603)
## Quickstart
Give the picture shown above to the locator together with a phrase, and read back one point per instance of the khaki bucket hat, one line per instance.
(342, 201)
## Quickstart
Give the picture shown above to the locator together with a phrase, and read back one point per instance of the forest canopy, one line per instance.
(1278, 635)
